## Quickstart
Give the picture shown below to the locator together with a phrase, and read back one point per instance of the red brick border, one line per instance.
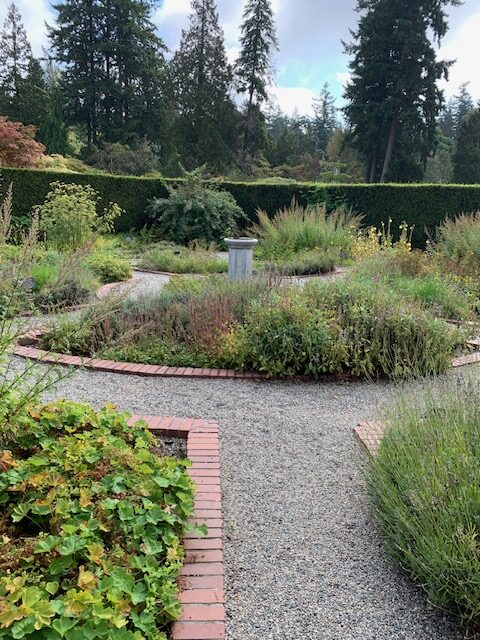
(202, 576)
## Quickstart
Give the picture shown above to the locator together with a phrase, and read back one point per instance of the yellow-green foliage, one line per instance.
(69, 216)
(91, 526)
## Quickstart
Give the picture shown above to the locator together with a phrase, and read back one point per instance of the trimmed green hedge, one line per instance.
(422, 205)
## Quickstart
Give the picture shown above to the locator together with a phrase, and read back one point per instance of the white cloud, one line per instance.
(293, 99)
(463, 45)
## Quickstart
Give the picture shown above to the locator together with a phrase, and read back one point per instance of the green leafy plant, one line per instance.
(91, 543)
(425, 487)
(69, 217)
(110, 267)
(194, 210)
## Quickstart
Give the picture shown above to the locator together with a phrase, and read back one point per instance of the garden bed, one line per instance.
(423, 477)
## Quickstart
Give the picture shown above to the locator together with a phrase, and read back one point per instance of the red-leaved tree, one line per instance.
(18, 147)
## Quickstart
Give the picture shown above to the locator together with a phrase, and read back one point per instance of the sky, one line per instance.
(310, 34)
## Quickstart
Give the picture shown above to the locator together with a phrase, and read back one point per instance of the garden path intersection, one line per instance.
(303, 558)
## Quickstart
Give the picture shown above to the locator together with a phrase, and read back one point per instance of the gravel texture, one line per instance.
(303, 558)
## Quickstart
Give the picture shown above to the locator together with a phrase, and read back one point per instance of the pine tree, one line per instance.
(325, 118)
(393, 98)
(253, 68)
(15, 57)
(467, 157)
(202, 79)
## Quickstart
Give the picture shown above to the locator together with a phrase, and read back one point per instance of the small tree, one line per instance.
(18, 147)
(467, 157)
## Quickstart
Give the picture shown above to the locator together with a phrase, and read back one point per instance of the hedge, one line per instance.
(423, 205)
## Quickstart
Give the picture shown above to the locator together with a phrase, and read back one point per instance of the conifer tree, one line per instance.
(53, 131)
(393, 97)
(113, 63)
(15, 53)
(202, 80)
(325, 118)
(253, 69)
(467, 157)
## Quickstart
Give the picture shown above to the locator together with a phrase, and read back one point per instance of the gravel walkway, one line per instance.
(303, 558)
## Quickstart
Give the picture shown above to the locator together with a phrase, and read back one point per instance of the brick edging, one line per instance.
(26, 348)
(370, 434)
(202, 576)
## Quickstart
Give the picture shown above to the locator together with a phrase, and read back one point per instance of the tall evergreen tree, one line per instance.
(467, 157)
(53, 131)
(113, 63)
(253, 68)
(15, 53)
(202, 80)
(462, 105)
(393, 97)
(325, 120)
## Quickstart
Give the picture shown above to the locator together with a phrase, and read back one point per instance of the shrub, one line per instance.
(359, 328)
(69, 216)
(91, 543)
(18, 147)
(296, 229)
(385, 334)
(195, 211)
(181, 260)
(422, 205)
(458, 241)
(425, 486)
(110, 267)
(118, 158)
(283, 336)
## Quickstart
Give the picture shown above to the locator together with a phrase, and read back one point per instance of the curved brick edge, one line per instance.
(370, 434)
(202, 576)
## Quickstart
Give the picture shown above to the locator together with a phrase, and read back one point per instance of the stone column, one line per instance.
(240, 257)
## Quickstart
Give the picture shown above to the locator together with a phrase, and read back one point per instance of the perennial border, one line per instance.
(202, 576)
(27, 347)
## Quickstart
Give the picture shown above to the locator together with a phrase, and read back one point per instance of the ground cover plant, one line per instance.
(356, 328)
(303, 241)
(91, 526)
(425, 487)
(172, 258)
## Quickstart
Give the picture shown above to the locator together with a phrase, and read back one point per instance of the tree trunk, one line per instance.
(389, 151)
(247, 128)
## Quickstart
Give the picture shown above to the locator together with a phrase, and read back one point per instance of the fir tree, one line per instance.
(467, 157)
(202, 79)
(15, 53)
(393, 98)
(53, 131)
(325, 118)
(113, 62)
(462, 105)
(253, 69)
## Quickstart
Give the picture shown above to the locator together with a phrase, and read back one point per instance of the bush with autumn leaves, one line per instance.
(90, 527)
(18, 147)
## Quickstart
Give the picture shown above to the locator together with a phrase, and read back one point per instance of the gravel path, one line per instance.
(303, 558)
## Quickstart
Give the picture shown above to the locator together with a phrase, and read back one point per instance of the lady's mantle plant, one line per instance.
(90, 525)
